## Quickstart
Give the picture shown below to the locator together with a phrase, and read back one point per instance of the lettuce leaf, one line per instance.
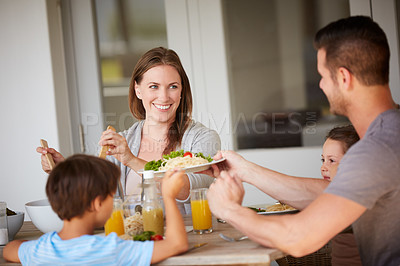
(208, 158)
(155, 165)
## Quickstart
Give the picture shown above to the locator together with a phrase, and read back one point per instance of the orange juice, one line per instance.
(115, 223)
(201, 215)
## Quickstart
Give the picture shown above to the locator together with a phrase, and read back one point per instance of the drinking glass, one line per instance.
(116, 222)
(3, 223)
(201, 214)
(133, 219)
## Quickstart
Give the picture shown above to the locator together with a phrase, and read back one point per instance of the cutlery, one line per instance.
(105, 148)
(48, 155)
(231, 239)
(196, 246)
(221, 221)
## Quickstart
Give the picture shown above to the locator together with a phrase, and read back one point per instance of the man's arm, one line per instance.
(298, 234)
(302, 233)
(175, 241)
(297, 192)
(10, 251)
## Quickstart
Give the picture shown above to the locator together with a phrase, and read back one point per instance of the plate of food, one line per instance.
(188, 161)
(277, 208)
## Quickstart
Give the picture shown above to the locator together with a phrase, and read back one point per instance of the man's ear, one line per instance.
(345, 78)
(137, 91)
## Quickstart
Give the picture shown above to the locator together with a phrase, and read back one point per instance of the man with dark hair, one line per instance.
(359, 45)
(353, 61)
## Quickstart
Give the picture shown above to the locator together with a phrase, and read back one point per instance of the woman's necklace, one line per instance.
(146, 132)
(158, 140)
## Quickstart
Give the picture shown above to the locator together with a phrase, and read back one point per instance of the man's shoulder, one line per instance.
(384, 133)
(392, 113)
(371, 156)
(374, 148)
(388, 119)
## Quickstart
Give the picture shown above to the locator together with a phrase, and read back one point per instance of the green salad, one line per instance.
(155, 165)
(257, 209)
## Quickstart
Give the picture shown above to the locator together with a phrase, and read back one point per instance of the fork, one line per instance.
(231, 239)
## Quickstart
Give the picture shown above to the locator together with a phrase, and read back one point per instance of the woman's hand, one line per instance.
(57, 157)
(118, 146)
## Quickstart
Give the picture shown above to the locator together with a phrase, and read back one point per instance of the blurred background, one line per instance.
(66, 64)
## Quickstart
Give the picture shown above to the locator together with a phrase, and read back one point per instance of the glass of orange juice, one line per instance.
(201, 214)
(116, 222)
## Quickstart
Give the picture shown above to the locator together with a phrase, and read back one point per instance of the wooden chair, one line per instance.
(321, 257)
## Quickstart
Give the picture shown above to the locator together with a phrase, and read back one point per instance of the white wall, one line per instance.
(27, 100)
(30, 74)
(195, 32)
(27, 97)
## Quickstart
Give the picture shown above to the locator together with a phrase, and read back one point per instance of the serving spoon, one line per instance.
(103, 155)
(49, 158)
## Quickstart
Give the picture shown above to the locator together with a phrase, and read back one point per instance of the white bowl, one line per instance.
(43, 216)
(14, 223)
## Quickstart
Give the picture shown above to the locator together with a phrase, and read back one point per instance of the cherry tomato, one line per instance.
(188, 153)
(157, 237)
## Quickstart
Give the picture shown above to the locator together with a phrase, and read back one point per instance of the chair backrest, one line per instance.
(321, 257)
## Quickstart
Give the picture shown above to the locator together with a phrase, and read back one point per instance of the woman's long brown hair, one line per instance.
(156, 57)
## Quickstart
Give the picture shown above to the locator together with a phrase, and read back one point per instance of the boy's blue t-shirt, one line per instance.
(50, 249)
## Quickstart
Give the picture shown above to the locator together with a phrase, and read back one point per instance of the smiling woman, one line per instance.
(160, 98)
(159, 90)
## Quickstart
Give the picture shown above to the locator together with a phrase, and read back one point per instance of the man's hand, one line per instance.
(225, 194)
(234, 164)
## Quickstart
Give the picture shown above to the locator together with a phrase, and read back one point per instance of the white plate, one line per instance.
(278, 212)
(272, 212)
(190, 169)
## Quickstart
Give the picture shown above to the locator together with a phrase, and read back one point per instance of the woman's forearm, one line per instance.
(136, 163)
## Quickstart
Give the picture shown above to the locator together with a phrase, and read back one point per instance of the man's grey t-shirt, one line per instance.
(369, 174)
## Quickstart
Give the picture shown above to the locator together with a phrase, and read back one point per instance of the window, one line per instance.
(275, 94)
(126, 30)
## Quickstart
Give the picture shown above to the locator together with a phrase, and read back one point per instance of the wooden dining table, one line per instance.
(216, 252)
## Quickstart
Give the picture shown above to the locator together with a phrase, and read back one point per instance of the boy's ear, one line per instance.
(96, 204)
